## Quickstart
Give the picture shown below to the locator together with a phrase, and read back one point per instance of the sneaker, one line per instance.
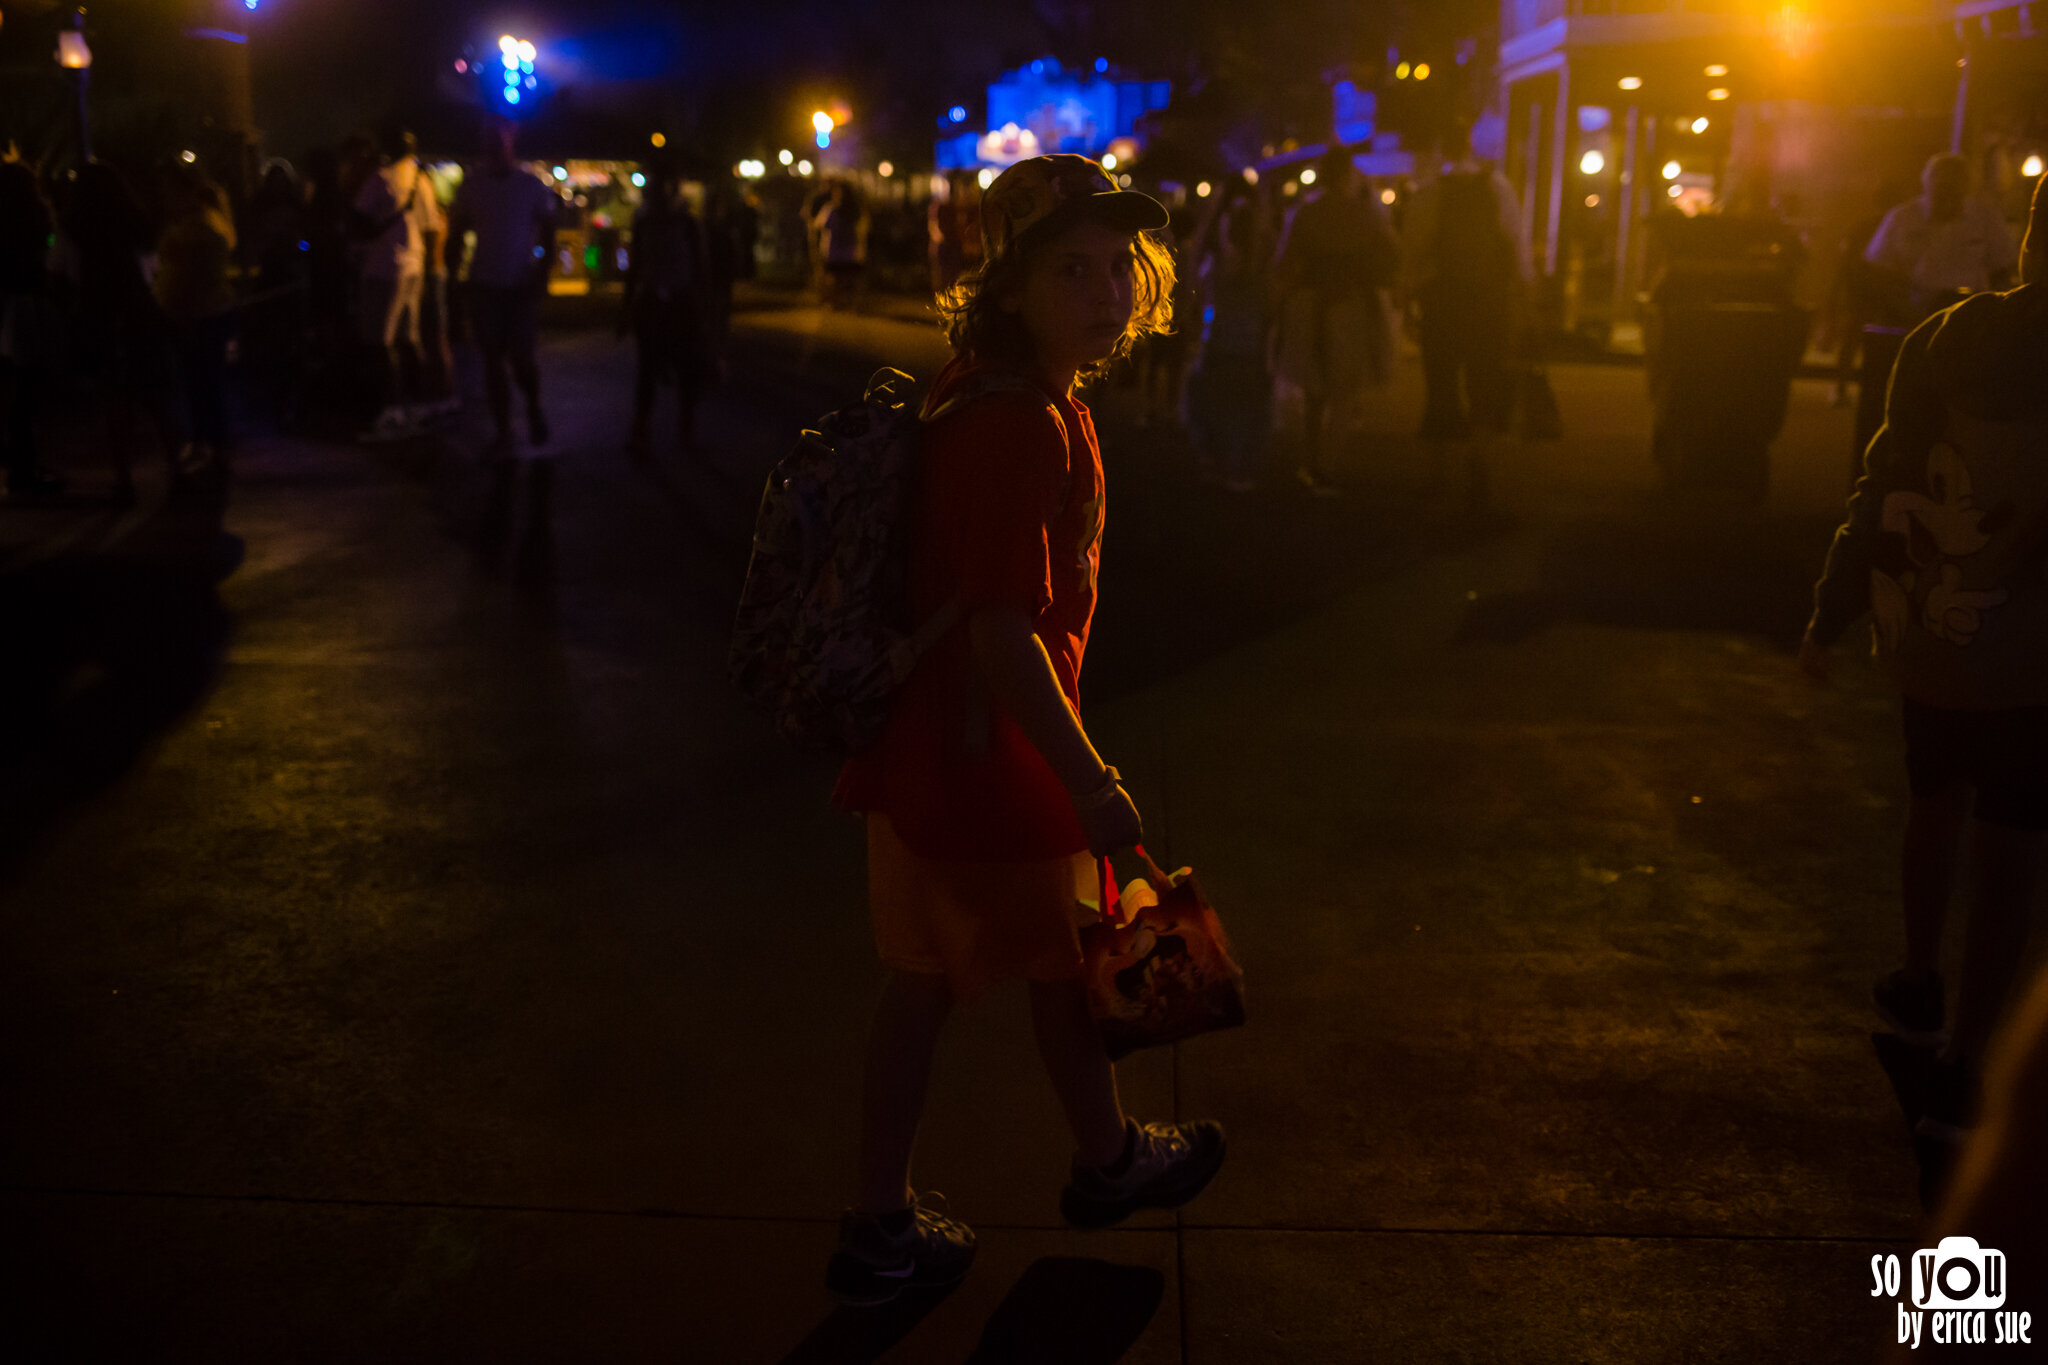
(1167, 1165)
(392, 424)
(1914, 1009)
(1316, 484)
(873, 1264)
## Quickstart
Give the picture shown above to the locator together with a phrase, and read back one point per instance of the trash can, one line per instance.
(1723, 340)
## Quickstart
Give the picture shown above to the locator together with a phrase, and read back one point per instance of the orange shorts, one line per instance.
(978, 923)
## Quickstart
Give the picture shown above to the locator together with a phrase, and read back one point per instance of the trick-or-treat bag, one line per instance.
(1159, 967)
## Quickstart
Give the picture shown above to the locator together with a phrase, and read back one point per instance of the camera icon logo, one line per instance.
(1958, 1274)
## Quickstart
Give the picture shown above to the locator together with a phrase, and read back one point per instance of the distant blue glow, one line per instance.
(249, 4)
(532, 84)
(639, 181)
(511, 95)
(1038, 68)
(527, 67)
(1101, 65)
(824, 141)
(305, 245)
(958, 113)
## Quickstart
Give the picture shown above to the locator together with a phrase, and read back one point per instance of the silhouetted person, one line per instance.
(192, 288)
(842, 245)
(1946, 241)
(1464, 272)
(1337, 256)
(668, 307)
(24, 327)
(1943, 550)
(513, 214)
(1231, 394)
(102, 237)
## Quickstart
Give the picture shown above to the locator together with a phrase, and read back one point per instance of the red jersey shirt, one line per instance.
(1010, 515)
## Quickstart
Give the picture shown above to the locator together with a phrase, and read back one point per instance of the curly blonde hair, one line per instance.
(977, 326)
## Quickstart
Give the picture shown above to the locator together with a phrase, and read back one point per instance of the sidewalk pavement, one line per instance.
(469, 975)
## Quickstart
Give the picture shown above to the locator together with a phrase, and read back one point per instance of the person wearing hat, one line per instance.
(986, 804)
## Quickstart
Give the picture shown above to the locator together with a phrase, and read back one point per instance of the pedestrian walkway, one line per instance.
(469, 975)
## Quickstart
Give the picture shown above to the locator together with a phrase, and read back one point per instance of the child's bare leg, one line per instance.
(913, 1009)
(2005, 868)
(1934, 835)
(1082, 1074)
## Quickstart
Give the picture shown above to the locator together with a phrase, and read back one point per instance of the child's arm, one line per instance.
(1013, 662)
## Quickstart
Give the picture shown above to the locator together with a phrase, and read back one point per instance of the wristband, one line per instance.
(1112, 783)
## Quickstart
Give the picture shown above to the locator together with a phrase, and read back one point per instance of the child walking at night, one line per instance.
(986, 804)
(1944, 548)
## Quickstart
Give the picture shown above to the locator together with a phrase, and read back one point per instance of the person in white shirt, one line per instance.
(512, 214)
(392, 265)
(1945, 242)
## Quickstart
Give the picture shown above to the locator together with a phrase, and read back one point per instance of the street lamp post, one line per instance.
(75, 56)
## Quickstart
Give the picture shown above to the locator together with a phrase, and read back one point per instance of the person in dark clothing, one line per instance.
(1943, 551)
(1231, 394)
(1464, 273)
(194, 292)
(24, 252)
(102, 237)
(668, 309)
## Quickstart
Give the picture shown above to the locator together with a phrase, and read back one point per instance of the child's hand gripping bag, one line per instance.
(1162, 970)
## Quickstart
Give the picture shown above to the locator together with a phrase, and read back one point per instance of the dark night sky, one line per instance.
(732, 76)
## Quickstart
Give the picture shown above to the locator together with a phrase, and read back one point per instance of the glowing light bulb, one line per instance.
(986, 178)
(2031, 168)
(785, 156)
(1251, 175)
(1202, 190)
(886, 169)
(1387, 196)
(1630, 82)
(1308, 177)
(1717, 94)
(803, 168)
(659, 140)
(1700, 125)
(1593, 162)
(1671, 170)
(1422, 71)
(1716, 71)
(1109, 161)
(1402, 71)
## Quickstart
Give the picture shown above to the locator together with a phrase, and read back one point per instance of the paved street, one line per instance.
(467, 975)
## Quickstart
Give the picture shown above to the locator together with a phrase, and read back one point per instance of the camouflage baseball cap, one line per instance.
(1047, 193)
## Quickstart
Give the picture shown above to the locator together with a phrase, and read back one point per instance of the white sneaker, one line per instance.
(392, 424)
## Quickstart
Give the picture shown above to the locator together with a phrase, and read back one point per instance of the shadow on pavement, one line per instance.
(1670, 565)
(106, 645)
(855, 1336)
(1073, 1310)
(1063, 1310)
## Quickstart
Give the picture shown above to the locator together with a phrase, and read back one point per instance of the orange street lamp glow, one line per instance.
(1401, 71)
(1718, 93)
(659, 139)
(1422, 71)
(1593, 162)
(2031, 168)
(1671, 170)
(1700, 125)
(1631, 82)
(1717, 71)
